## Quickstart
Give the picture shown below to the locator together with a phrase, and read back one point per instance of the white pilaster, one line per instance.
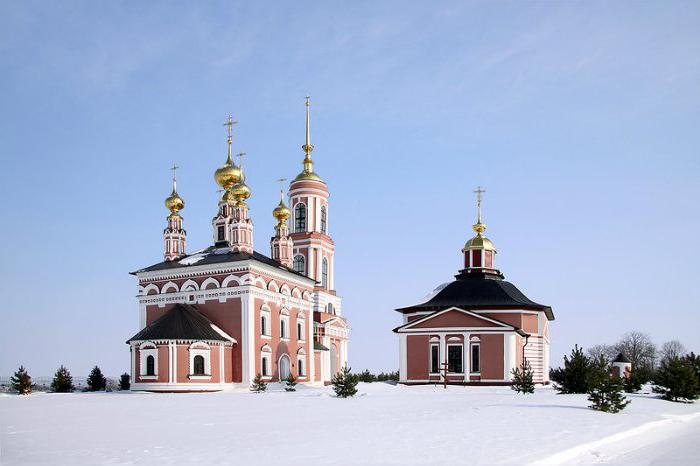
(508, 355)
(466, 351)
(403, 362)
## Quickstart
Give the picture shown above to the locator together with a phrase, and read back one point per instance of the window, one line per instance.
(150, 365)
(324, 273)
(300, 365)
(300, 217)
(434, 358)
(330, 309)
(221, 233)
(300, 330)
(199, 365)
(263, 325)
(323, 219)
(265, 366)
(299, 264)
(283, 328)
(476, 358)
(454, 358)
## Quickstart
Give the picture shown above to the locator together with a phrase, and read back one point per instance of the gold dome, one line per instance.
(479, 242)
(228, 197)
(281, 212)
(174, 203)
(227, 175)
(241, 191)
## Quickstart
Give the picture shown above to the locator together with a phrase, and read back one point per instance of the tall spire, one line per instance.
(308, 172)
(479, 227)
(174, 169)
(229, 127)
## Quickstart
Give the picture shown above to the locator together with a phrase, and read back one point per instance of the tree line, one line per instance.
(62, 382)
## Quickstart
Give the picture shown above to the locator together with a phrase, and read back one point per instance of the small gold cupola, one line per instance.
(228, 174)
(281, 213)
(308, 172)
(174, 203)
(240, 190)
(479, 251)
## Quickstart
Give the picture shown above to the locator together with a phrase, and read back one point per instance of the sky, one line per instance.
(580, 119)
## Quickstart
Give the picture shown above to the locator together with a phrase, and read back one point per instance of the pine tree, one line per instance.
(124, 381)
(607, 396)
(574, 377)
(96, 381)
(522, 379)
(21, 382)
(366, 376)
(598, 372)
(259, 384)
(344, 383)
(62, 381)
(693, 361)
(676, 380)
(291, 383)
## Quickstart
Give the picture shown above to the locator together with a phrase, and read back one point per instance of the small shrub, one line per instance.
(522, 379)
(258, 385)
(344, 383)
(607, 396)
(366, 376)
(125, 381)
(291, 383)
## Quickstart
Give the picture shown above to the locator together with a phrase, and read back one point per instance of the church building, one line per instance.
(476, 329)
(212, 319)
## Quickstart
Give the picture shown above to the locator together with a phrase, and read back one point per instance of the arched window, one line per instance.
(324, 273)
(150, 365)
(265, 366)
(324, 222)
(283, 328)
(198, 365)
(299, 264)
(300, 365)
(300, 331)
(300, 217)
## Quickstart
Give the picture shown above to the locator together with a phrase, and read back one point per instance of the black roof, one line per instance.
(214, 255)
(182, 322)
(621, 358)
(481, 291)
(319, 347)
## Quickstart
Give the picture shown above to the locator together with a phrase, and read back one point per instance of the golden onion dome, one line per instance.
(308, 176)
(228, 197)
(241, 191)
(281, 212)
(227, 175)
(174, 203)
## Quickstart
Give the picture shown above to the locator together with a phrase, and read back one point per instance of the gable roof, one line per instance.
(479, 291)
(182, 322)
(214, 255)
(488, 321)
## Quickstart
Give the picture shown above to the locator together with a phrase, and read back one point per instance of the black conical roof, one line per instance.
(182, 322)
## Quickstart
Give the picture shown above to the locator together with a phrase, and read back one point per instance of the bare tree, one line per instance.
(672, 349)
(638, 348)
(608, 352)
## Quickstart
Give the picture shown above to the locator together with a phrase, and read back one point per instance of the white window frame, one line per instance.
(471, 360)
(447, 349)
(266, 354)
(199, 348)
(148, 349)
(265, 312)
(430, 358)
(284, 320)
(301, 324)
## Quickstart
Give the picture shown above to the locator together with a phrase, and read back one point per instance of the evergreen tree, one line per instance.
(291, 383)
(598, 373)
(21, 382)
(633, 383)
(574, 377)
(607, 396)
(693, 361)
(259, 384)
(62, 381)
(366, 376)
(676, 380)
(344, 383)
(522, 379)
(96, 381)
(124, 381)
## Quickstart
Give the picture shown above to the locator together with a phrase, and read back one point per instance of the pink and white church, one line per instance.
(479, 327)
(212, 319)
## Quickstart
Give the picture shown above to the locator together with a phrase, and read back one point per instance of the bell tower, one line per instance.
(226, 177)
(241, 228)
(281, 245)
(313, 246)
(174, 236)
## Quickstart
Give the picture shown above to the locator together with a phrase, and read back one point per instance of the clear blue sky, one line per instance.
(581, 119)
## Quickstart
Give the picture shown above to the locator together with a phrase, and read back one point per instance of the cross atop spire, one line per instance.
(478, 191)
(281, 182)
(174, 169)
(229, 126)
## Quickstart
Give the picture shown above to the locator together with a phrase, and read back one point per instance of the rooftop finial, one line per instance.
(174, 169)
(229, 129)
(479, 227)
(308, 147)
(240, 156)
(281, 182)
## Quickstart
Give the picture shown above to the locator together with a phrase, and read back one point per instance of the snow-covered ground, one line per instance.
(383, 424)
